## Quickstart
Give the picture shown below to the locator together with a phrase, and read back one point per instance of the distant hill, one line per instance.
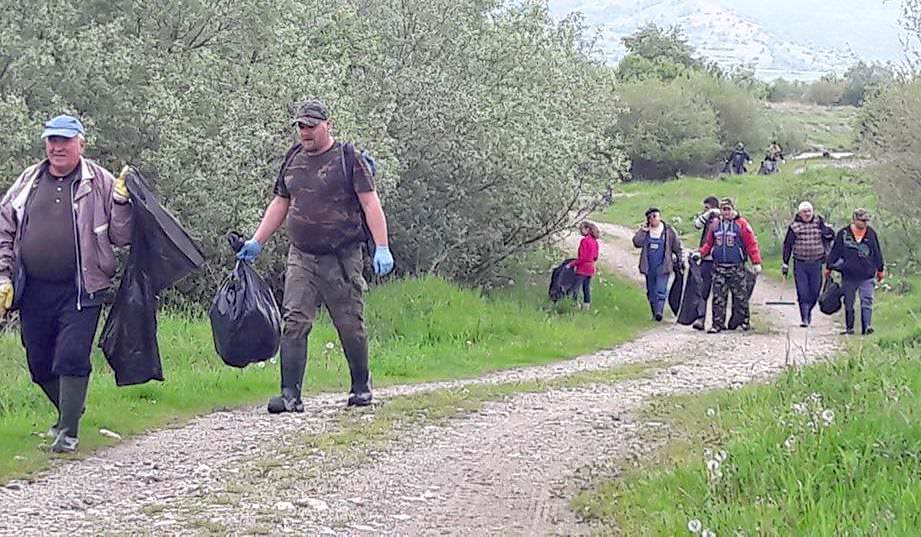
(778, 38)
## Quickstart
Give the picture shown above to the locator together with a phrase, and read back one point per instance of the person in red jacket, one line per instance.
(584, 265)
(731, 241)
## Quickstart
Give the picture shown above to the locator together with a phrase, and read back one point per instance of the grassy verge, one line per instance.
(421, 329)
(768, 202)
(833, 449)
(824, 127)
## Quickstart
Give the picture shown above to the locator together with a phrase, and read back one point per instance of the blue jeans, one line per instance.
(657, 290)
(586, 282)
(808, 278)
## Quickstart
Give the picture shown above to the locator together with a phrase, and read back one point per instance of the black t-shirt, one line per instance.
(48, 244)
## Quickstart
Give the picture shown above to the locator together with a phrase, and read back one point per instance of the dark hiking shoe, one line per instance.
(745, 327)
(283, 403)
(64, 444)
(804, 325)
(359, 399)
(869, 331)
(848, 332)
(698, 325)
(658, 317)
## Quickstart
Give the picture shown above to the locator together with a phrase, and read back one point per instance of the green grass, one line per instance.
(824, 127)
(787, 471)
(768, 202)
(421, 329)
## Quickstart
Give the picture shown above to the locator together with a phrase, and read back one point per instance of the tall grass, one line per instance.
(420, 329)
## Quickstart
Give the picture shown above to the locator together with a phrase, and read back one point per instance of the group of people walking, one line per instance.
(63, 216)
(729, 259)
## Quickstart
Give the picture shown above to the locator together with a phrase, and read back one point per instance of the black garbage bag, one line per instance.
(245, 322)
(162, 253)
(751, 278)
(693, 305)
(563, 281)
(832, 297)
(674, 294)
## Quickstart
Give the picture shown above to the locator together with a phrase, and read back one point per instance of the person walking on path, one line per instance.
(857, 255)
(807, 241)
(661, 249)
(731, 241)
(324, 190)
(59, 223)
(584, 265)
(703, 221)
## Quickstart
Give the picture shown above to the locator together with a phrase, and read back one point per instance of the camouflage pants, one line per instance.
(726, 279)
(337, 282)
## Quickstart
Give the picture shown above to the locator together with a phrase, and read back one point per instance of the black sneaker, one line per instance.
(745, 326)
(64, 444)
(848, 332)
(658, 317)
(281, 403)
(869, 331)
(359, 399)
(804, 325)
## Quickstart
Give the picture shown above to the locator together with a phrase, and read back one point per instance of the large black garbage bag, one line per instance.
(830, 301)
(563, 281)
(162, 253)
(674, 294)
(245, 322)
(693, 305)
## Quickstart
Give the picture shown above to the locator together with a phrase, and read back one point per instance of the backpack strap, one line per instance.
(287, 160)
(348, 168)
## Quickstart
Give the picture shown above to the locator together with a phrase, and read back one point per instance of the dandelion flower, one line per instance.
(711, 412)
(694, 526)
(707, 533)
(828, 416)
(330, 345)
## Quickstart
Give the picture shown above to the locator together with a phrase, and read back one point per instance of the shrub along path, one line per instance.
(495, 455)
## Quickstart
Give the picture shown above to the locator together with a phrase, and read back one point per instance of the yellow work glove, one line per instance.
(6, 297)
(120, 189)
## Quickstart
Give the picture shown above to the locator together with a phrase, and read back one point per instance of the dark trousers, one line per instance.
(808, 278)
(58, 338)
(656, 290)
(851, 288)
(586, 283)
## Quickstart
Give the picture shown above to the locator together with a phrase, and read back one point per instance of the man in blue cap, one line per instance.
(58, 225)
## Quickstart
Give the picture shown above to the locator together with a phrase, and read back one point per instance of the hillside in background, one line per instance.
(790, 39)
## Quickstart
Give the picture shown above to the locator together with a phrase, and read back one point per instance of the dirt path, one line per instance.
(507, 469)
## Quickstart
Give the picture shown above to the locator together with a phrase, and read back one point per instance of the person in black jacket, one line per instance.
(807, 241)
(703, 222)
(857, 255)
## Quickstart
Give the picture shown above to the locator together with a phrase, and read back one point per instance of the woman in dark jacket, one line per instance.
(856, 254)
(661, 247)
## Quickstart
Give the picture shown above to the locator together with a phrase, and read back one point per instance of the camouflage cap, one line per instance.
(862, 214)
(312, 111)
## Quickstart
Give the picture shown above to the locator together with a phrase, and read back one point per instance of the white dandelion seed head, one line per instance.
(273, 360)
(708, 453)
(469, 342)
(708, 533)
(722, 455)
(828, 416)
(713, 466)
(261, 365)
(790, 442)
(815, 396)
(694, 526)
(711, 412)
(330, 345)
(799, 408)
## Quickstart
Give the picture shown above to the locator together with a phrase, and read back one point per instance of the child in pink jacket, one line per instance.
(584, 265)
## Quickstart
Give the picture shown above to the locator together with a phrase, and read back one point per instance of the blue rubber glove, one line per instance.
(383, 260)
(250, 251)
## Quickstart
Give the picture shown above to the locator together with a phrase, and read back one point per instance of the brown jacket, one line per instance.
(100, 224)
(672, 246)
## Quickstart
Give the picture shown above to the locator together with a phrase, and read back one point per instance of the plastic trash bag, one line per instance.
(832, 297)
(162, 253)
(693, 305)
(245, 321)
(563, 281)
(677, 289)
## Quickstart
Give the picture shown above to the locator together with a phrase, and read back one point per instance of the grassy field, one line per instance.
(768, 202)
(824, 127)
(830, 450)
(422, 329)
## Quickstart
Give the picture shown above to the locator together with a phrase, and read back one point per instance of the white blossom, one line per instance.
(694, 526)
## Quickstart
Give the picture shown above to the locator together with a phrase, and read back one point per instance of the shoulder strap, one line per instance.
(288, 156)
(348, 161)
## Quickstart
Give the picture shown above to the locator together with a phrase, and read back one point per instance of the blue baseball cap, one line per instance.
(63, 125)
